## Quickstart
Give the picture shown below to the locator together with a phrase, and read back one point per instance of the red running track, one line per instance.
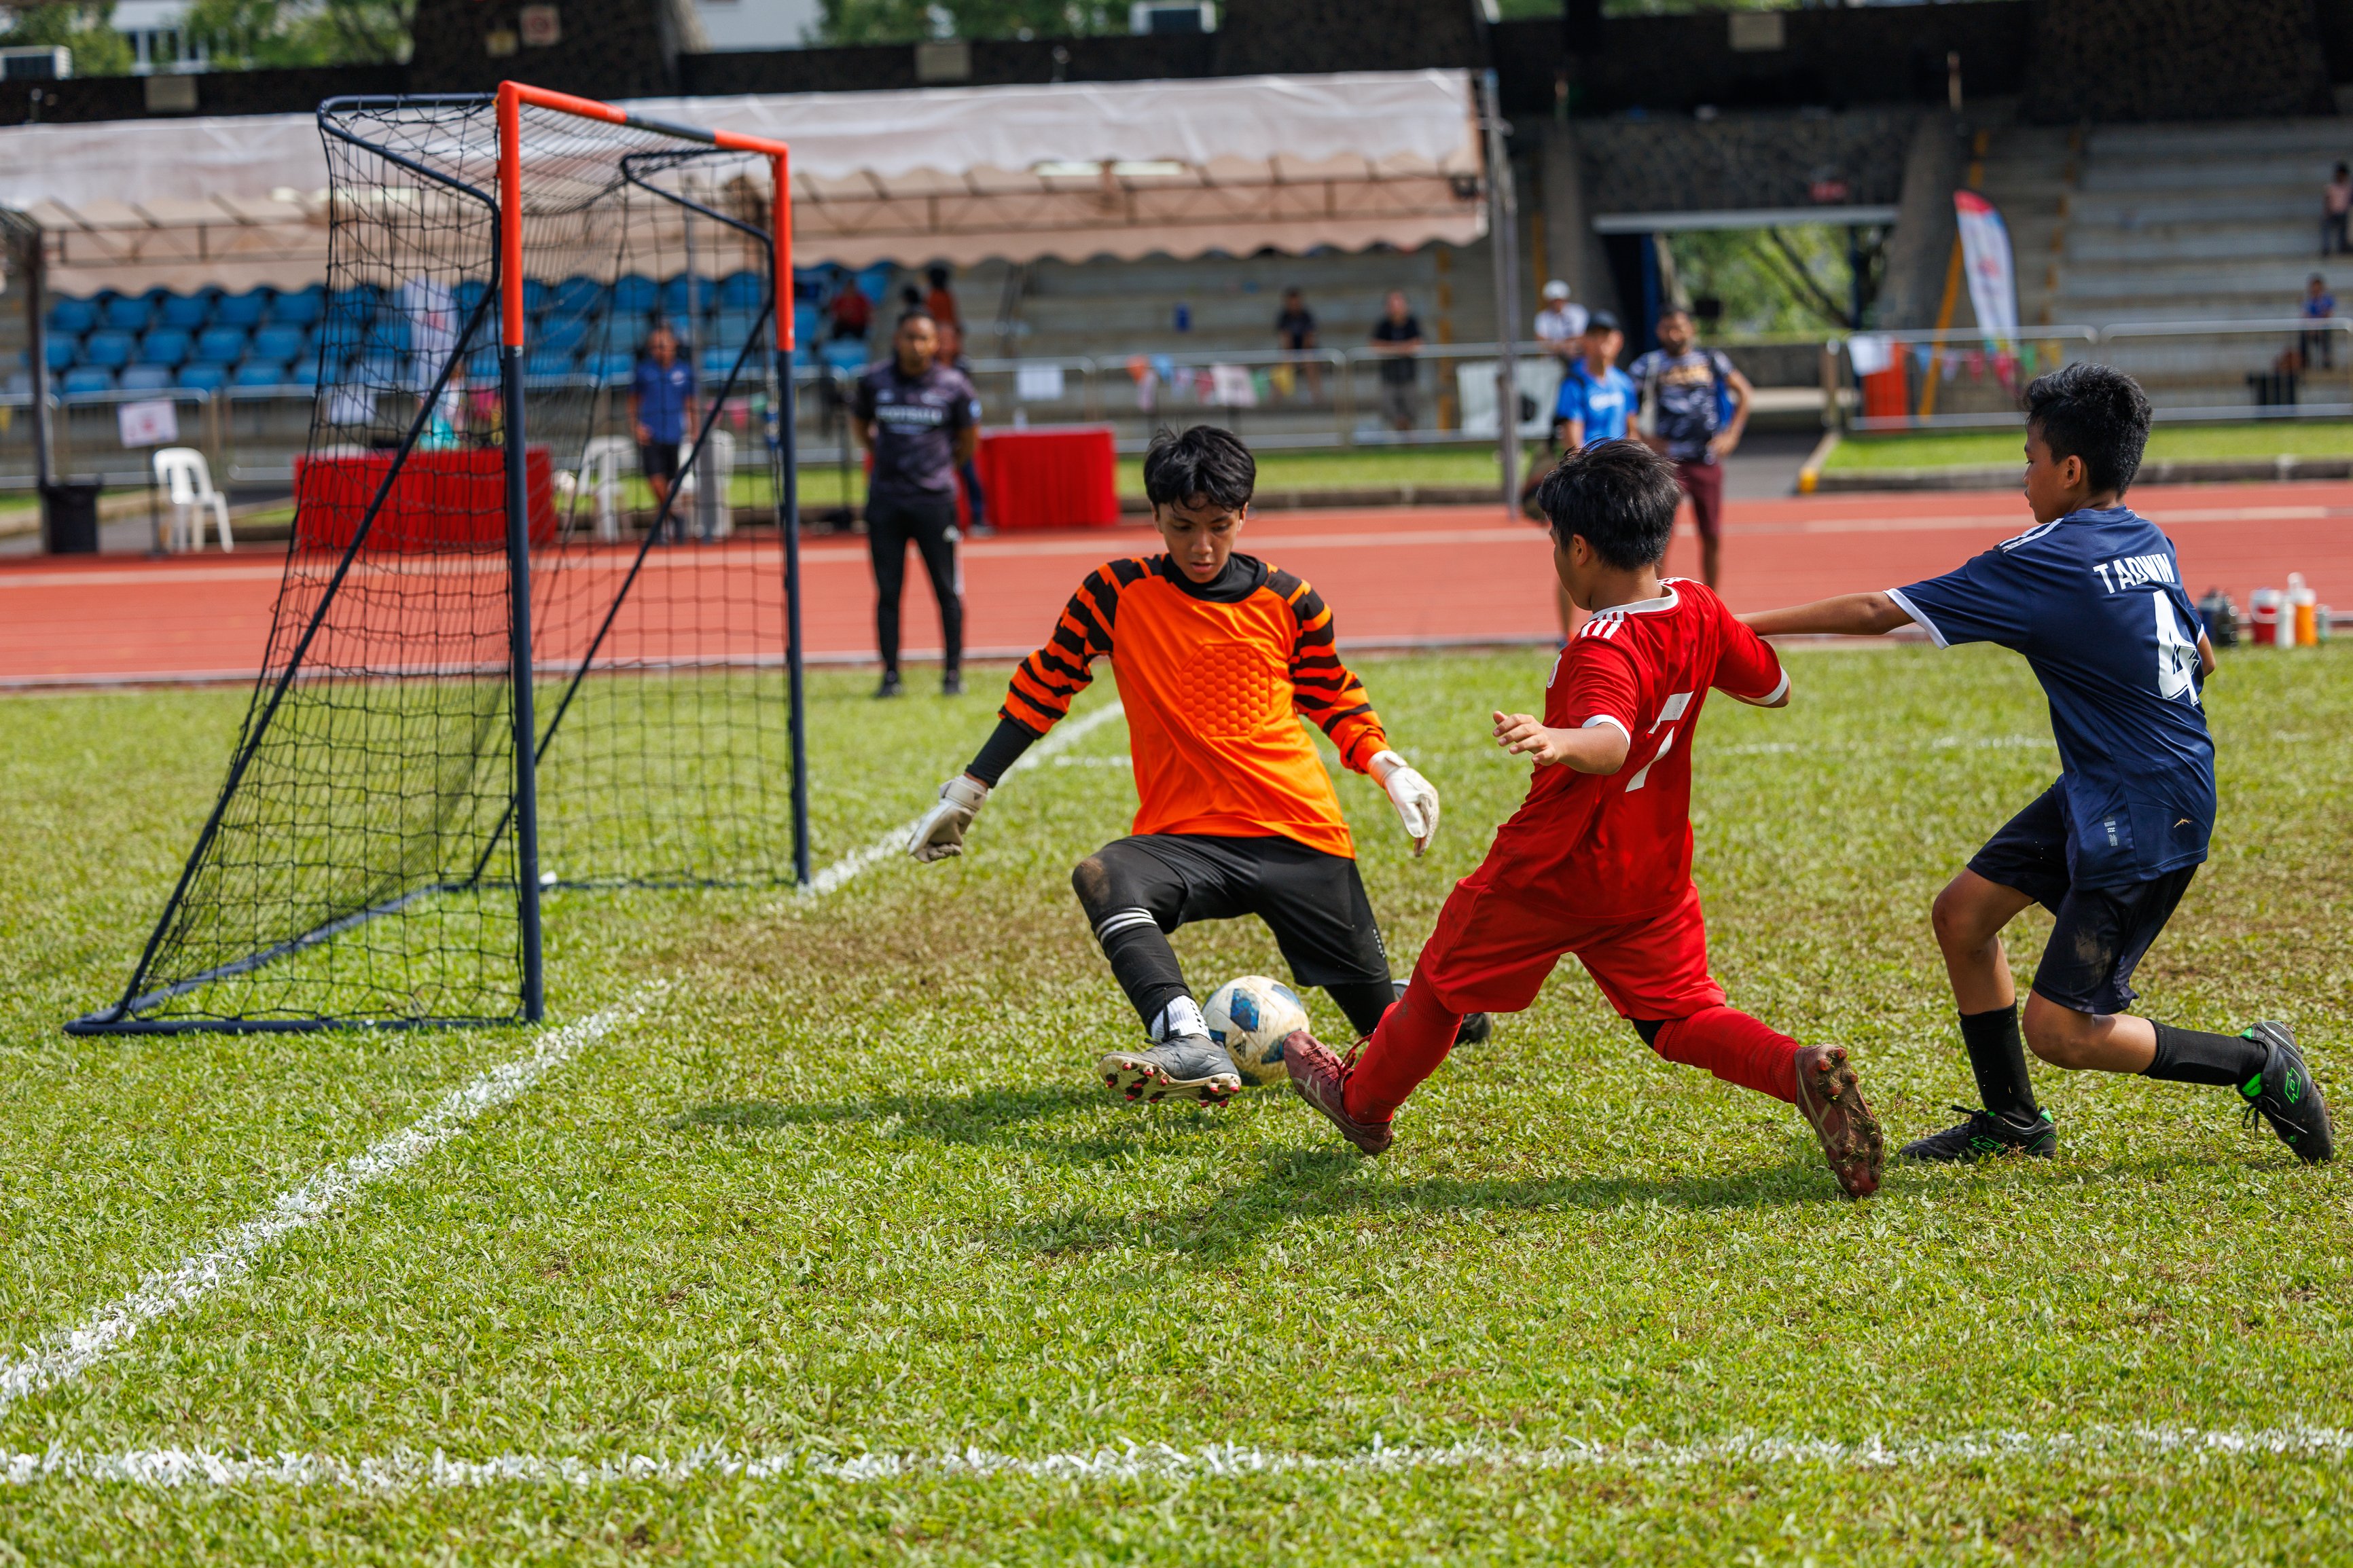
(1394, 578)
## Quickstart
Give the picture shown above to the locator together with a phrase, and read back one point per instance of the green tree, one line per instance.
(1790, 280)
(276, 33)
(87, 30)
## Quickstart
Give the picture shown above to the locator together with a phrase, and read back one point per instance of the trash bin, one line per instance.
(70, 517)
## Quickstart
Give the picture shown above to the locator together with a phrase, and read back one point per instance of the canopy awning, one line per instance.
(1071, 170)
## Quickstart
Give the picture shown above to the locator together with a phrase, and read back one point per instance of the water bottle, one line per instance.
(2263, 618)
(2298, 614)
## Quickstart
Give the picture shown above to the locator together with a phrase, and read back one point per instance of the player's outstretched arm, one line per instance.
(1415, 799)
(1595, 749)
(941, 831)
(1328, 692)
(1849, 614)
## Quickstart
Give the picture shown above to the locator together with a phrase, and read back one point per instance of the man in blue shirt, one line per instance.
(1596, 399)
(2091, 596)
(661, 396)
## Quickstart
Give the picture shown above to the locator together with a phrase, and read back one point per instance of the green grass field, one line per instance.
(2166, 443)
(840, 1201)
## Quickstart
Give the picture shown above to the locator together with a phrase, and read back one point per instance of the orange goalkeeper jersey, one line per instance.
(1213, 677)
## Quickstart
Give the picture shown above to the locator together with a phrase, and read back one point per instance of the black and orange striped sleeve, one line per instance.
(1322, 688)
(1050, 679)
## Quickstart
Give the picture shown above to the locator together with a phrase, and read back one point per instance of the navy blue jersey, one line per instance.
(2094, 602)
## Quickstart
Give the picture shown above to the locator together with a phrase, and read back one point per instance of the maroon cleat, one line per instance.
(1833, 1103)
(1319, 1078)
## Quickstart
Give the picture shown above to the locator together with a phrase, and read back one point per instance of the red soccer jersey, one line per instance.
(1599, 846)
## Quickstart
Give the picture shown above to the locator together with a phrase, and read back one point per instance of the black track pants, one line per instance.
(930, 523)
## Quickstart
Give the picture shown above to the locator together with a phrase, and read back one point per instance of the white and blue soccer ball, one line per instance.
(1251, 1016)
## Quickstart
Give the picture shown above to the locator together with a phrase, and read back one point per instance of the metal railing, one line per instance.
(2275, 368)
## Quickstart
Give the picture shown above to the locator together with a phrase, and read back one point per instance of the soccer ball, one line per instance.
(1251, 1017)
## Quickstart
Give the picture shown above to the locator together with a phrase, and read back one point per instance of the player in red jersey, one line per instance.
(1598, 861)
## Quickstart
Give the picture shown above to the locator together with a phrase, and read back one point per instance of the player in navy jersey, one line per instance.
(2091, 596)
(1598, 861)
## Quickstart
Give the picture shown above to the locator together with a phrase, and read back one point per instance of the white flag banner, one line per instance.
(150, 424)
(1870, 353)
(1985, 254)
(1232, 386)
(1038, 384)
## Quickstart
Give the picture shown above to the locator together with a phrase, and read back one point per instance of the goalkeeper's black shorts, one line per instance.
(1313, 903)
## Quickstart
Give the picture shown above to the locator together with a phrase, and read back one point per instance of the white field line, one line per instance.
(404, 1471)
(1064, 736)
(67, 1354)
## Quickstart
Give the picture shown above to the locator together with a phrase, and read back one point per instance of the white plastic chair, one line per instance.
(600, 464)
(182, 472)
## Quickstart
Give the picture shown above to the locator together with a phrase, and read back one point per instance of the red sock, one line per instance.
(1735, 1047)
(1413, 1038)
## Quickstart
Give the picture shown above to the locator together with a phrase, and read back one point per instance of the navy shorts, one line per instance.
(2102, 933)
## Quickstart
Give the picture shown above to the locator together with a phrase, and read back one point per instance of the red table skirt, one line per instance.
(441, 500)
(1060, 477)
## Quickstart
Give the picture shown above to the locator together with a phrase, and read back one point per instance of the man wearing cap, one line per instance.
(1561, 322)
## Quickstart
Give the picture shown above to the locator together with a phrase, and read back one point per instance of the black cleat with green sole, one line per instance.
(2285, 1095)
(1986, 1136)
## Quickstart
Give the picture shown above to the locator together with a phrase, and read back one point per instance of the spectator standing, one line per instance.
(1561, 323)
(661, 399)
(942, 301)
(1396, 339)
(2335, 201)
(2319, 348)
(915, 416)
(1702, 407)
(1597, 404)
(1294, 334)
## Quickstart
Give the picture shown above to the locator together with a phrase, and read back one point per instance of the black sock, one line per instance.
(2191, 1055)
(1998, 1058)
(1146, 968)
(1363, 1001)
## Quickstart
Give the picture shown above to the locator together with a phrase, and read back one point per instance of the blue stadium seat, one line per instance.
(561, 334)
(244, 309)
(805, 318)
(611, 366)
(636, 295)
(679, 329)
(468, 294)
(742, 291)
(377, 369)
(277, 342)
(205, 377)
(88, 378)
(145, 377)
(577, 296)
(354, 304)
(64, 352)
(186, 311)
(730, 329)
(718, 363)
(300, 306)
(126, 313)
(535, 296)
(875, 281)
(219, 345)
(165, 346)
(106, 348)
(304, 371)
(482, 368)
(340, 337)
(544, 365)
(674, 291)
(68, 315)
(844, 355)
(261, 372)
(389, 330)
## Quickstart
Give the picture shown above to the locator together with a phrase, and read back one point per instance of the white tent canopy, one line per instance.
(1071, 170)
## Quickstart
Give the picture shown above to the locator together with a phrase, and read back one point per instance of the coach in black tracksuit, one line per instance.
(921, 420)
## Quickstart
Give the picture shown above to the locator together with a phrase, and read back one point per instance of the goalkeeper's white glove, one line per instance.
(1416, 801)
(939, 834)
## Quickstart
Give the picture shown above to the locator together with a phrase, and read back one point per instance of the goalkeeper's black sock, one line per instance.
(1147, 970)
(2191, 1055)
(1998, 1058)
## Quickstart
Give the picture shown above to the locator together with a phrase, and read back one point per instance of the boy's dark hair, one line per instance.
(1205, 464)
(1619, 495)
(2095, 413)
(915, 313)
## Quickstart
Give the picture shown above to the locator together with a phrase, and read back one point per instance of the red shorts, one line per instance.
(1493, 950)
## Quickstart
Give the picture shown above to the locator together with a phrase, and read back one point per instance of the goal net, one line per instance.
(539, 620)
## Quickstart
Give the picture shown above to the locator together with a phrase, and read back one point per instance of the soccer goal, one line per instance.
(511, 652)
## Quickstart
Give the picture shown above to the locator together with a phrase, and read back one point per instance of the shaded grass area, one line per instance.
(2166, 443)
(849, 1188)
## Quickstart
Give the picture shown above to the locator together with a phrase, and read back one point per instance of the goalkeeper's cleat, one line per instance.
(1473, 1030)
(952, 683)
(1833, 1103)
(2285, 1095)
(1986, 1136)
(1321, 1080)
(1185, 1066)
(891, 686)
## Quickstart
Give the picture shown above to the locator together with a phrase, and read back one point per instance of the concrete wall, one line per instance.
(1919, 250)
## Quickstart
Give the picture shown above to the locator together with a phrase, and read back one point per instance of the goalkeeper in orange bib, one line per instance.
(1217, 655)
